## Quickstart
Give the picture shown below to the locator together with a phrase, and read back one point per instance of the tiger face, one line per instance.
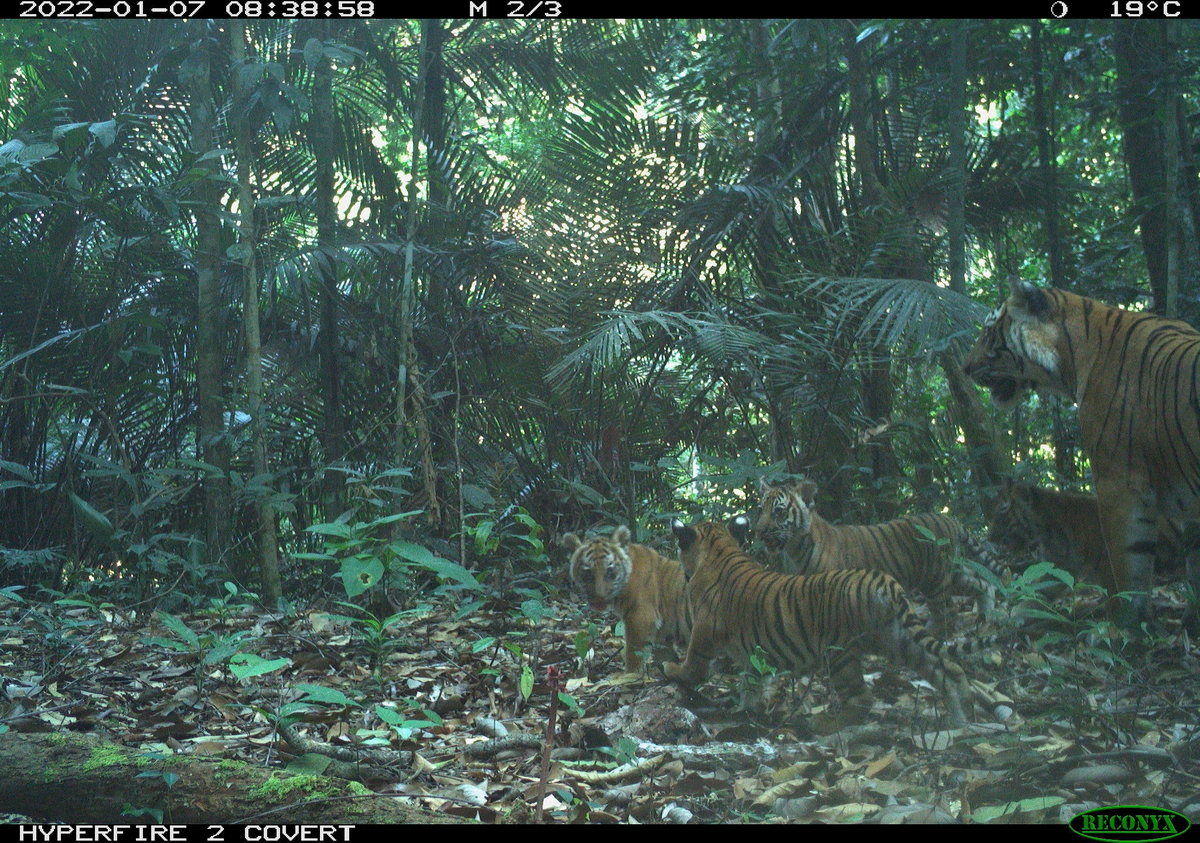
(1014, 524)
(787, 512)
(1018, 348)
(600, 568)
(644, 588)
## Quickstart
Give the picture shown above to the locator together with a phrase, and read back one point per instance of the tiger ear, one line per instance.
(1027, 297)
(685, 535)
(621, 535)
(764, 486)
(570, 541)
(739, 528)
(808, 492)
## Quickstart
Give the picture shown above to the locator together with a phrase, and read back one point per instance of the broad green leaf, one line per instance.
(179, 628)
(360, 574)
(245, 665)
(334, 529)
(96, 522)
(321, 694)
(309, 764)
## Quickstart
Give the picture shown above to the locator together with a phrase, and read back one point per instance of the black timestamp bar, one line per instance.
(65, 9)
(514, 8)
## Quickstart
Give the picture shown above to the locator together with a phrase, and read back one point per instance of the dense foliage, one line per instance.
(622, 270)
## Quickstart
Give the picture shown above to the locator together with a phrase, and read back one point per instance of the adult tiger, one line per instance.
(737, 606)
(1136, 380)
(644, 588)
(1064, 528)
(918, 550)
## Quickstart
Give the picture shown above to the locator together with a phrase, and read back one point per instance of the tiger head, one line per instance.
(787, 511)
(1019, 346)
(707, 540)
(1013, 519)
(600, 567)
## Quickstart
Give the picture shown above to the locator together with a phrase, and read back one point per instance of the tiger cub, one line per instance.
(644, 588)
(1064, 528)
(737, 605)
(918, 550)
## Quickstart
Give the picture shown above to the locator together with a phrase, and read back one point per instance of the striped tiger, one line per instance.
(918, 550)
(1064, 528)
(1136, 380)
(644, 588)
(798, 621)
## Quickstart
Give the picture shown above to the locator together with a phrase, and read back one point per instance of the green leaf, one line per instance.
(1036, 803)
(533, 609)
(309, 764)
(179, 628)
(105, 132)
(96, 522)
(17, 469)
(245, 665)
(526, 681)
(442, 567)
(321, 694)
(571, 703)
(360, 574)
(337, 528)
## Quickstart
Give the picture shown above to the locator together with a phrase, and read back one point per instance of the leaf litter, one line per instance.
(452, 712)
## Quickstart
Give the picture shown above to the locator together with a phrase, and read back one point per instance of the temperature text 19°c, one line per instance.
(1143, 8)
(515, 8)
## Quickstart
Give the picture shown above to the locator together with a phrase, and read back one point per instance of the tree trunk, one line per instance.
(268, 549)
(212, 437)
(72, 778)
(1044, 118)
(409, 370)
(1158, 155)
(321, 133)
(875, 365)
(978, 431)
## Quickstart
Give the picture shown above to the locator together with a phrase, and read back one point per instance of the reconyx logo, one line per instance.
(1124, 823)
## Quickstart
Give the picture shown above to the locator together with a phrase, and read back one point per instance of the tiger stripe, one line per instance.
(800, 621)
(1135, 378)
(800, 541)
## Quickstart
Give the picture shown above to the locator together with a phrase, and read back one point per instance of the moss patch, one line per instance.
(277, 787)
(105, 756)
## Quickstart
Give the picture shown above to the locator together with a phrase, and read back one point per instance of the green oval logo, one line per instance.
(1129, 823)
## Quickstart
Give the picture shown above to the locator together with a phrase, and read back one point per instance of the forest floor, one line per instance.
(1076, 717)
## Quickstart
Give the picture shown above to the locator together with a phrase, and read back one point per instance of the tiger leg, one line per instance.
(694, 669)
(976, 551)
(639, 631)
(1129, 521)
(905, 639)
(940, 613)
(845, 669)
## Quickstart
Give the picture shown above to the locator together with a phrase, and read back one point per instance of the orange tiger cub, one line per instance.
(1064, 528)
(644, 588)
(918, 550)
(800, 621)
